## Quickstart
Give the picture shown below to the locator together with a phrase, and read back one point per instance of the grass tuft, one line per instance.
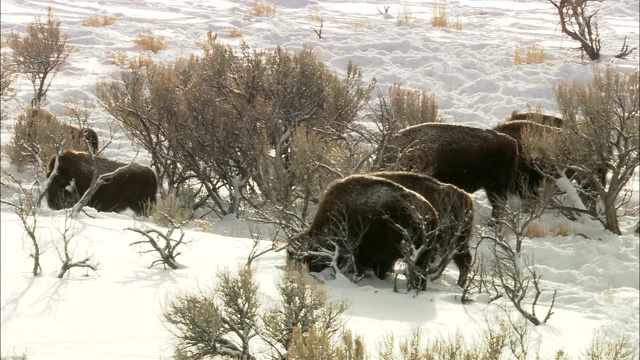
(529, 55)
(235, 32)
(148, 41)
(98, 21)
(440, 18)
(263, 7)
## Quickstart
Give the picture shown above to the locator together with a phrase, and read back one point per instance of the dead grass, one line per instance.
(316, 17)
(121, 58)
(263, 7)
(405, 16)
(359, 25)
(148, 41)
(532, 54)
(534, 230)
(563, 228)
(98, 21)
(235, 32)
(441, 19)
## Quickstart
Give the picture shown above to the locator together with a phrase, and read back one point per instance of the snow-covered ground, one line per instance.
(116, 313)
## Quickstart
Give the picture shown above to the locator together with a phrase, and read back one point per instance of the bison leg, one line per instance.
(463, 261)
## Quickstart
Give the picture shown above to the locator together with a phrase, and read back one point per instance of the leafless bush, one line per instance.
(221, 322)
(162, 242)
(600, 136)
(396, 110)
(603, 346)
(38, 134)
(577, 23)
(27, 209)
(199, 131)
(40, 53)
(7, 77)
(304, 306)
(67, 231)
(511, 271)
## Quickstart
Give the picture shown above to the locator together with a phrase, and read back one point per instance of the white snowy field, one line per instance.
(116, 313)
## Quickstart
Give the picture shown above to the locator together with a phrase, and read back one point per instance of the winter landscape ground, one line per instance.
(116, 312)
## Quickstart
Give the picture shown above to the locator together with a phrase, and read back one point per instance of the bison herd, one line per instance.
(415, 207)
(419, 199)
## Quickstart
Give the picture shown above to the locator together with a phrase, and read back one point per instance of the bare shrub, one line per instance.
(220, 322)
(396, 110)
(224, 322)
(162, 242)
(67, 231)
(98, 21)
(605, 347)
(578, 24)
(318, 345)
(28, 210)
(39, 133)
(7, 77)
(303, 306)
(600, 136)
(40, 53)
(512, 271)
(193, 116)
(529, 55)
(147, 40)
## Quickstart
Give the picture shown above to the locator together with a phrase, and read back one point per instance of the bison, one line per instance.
(363, 219)
(455, 210)
(529, 175)
(467, 157)
(542, 119)
(134, 187)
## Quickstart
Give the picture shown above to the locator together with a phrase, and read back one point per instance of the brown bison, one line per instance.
(134, 187)
(528, 177)
(543, 119)
(455, 210)
(467, 157)
(358, 224)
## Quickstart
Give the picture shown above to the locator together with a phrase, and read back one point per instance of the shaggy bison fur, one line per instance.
(542, 119)
(528, 177)
(135, 187)
(359, 220)
(467, 157)
(455, 210)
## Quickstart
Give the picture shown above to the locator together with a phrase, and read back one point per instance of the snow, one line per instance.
(116, 313)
